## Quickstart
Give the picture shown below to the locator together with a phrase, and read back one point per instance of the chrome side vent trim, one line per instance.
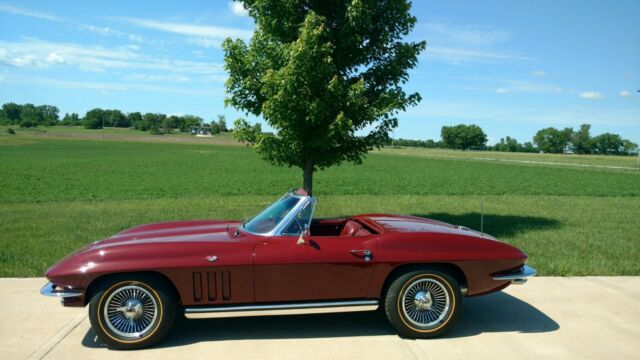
(280, 309)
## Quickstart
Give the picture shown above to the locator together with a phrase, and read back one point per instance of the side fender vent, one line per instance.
(197, 286)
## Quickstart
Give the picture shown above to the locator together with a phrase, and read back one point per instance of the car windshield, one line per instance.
(270, 218)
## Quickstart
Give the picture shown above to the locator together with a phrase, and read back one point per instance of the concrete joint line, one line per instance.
(45, 348)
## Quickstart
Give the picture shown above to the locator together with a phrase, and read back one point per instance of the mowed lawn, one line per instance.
(58, 194)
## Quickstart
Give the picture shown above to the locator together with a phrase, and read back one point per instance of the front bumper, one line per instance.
(49, 289)
(517, 277)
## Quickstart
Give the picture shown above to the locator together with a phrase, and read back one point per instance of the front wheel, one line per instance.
(131, 313)
(423, 304)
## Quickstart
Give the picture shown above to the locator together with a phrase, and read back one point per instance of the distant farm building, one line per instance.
(203, 130)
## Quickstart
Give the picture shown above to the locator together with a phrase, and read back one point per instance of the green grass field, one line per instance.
(62, 191)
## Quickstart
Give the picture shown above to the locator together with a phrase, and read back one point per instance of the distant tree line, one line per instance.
(548, 140)
(29, 115)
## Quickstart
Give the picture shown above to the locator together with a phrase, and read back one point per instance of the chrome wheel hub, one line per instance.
(132, 309)
(425, 302)
(131, 312)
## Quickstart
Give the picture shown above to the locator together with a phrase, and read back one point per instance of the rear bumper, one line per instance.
(517, 277)
(49, 289)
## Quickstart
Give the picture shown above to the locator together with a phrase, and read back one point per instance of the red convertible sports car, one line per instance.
(282, 261)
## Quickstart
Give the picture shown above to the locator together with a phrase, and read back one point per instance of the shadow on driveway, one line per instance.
(497, 312)
(496, 225)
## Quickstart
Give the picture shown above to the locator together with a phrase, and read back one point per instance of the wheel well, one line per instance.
(446, 268)
(107, 278)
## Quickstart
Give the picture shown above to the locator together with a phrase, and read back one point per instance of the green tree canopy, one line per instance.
(12, 112)
(94, 119)
(71, 119)
(49, 114)
(608, 143)
(581, 140)
(222, 123)
(326, 75)
(463, 137)
(552, 140)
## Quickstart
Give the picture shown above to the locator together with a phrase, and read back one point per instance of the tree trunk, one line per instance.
(307, 177)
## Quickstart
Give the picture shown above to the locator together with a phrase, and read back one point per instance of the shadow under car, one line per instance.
(498, 312)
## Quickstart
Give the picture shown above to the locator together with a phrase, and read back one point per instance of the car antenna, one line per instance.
(482, 216)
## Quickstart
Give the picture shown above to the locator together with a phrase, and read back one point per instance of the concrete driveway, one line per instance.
(560, 318)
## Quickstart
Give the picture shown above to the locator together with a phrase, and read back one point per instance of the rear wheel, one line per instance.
(134, 312)
(423, 304)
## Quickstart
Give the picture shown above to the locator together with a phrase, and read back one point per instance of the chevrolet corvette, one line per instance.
(282, 261)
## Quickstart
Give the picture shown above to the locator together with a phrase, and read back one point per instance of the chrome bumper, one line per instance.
(519, 277)
(52, 290)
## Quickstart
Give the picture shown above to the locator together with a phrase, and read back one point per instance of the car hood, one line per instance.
(175, 231)
(407, 223)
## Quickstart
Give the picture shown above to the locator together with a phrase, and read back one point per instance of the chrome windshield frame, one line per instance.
(286, 221)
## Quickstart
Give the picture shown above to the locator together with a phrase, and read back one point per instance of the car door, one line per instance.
(321, 268)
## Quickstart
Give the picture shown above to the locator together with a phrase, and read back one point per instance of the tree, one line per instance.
(463, 137)
(152, 121)
(189, 121)
(115, 118)
(49, 114)
(171, 122)
(71, 119)
(608, 143)
(94, 119)
(552, 140)
(214, 127)
(11, 112)
(508, 144)
(30, 116)
(581, 140)
(629, 147)
(244, 132)
(325, 75)
(222, 124)
(528, 147)
(135, 120)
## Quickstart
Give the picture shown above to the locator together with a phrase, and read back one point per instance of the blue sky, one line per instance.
(512, 67)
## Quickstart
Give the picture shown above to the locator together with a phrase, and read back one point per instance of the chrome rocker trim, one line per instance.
(280, 309)
(519, 277)
(51, 290)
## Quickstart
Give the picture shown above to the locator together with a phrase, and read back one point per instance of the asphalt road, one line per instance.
(551, 318)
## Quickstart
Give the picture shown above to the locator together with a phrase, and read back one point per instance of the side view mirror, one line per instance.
(304, 235)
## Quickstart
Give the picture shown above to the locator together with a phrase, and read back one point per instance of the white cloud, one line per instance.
(504, 85)
(459, 43)
(591, 95)
(509, 112)
(107, 31)
(624, 93)
(106, 88)
(205, 42)
(103, 31)
(237, 8)
(460, 55)
(178, 78)
(538, 73)
(29, 13)
(473, 35)
(203, 35)
(35, 53)
(55, 58)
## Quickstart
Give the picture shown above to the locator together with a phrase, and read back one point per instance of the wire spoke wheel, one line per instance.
(425, 302)
(131, 312)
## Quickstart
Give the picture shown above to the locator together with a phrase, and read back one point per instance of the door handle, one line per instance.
(366, 254)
